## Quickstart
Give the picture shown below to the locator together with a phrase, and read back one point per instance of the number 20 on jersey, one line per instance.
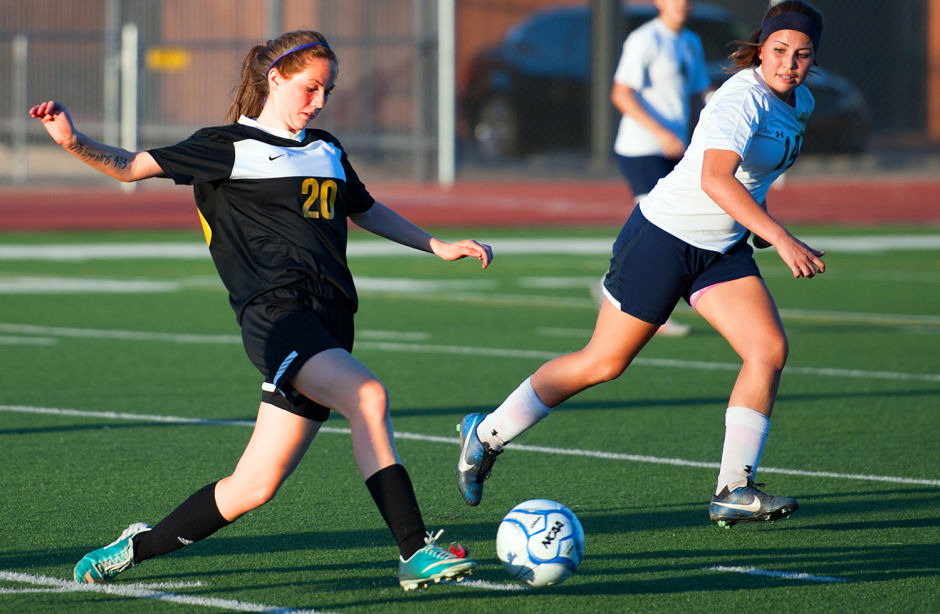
(320, 198)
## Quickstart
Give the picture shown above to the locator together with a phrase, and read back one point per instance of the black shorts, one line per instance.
(284, 328)
(651, 269)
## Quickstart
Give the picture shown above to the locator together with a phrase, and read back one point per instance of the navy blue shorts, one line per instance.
(284, 328)
(642, 172)
(650, 269)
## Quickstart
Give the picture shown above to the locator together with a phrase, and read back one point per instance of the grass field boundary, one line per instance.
(617, 456)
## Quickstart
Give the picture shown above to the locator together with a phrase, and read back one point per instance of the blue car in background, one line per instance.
(531, 93)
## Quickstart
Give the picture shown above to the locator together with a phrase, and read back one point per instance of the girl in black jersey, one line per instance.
(273, 197)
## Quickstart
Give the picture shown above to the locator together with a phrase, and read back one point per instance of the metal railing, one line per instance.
(145, 74)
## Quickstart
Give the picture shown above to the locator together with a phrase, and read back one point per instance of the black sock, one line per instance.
(195, 518)
(395, 497)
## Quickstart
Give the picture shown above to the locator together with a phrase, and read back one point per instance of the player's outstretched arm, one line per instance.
(387, 223)
(719, 182)
(467, 248)
(116, 162)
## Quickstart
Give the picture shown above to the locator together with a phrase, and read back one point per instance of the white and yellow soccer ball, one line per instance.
(540, 542)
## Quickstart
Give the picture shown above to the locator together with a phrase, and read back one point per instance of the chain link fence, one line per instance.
(188, 59)
(189, 54)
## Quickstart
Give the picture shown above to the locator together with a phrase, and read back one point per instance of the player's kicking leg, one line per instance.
(476, 460)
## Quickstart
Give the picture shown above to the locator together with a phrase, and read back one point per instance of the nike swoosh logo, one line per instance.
(753, 506)
(438, 563)
(462, 465)
(276, 157)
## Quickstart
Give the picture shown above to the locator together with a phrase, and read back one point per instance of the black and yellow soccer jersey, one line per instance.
(273, 208)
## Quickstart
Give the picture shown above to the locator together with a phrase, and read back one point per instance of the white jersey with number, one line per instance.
(743, 116)
(664, 69)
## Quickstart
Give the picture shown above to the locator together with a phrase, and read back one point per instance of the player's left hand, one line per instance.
(468, 248)
(803, 260)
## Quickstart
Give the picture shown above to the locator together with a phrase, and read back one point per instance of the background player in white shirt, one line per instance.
(660, 82)
(688, 239)
(274, 197)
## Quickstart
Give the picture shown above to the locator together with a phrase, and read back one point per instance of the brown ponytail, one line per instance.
(252, 86)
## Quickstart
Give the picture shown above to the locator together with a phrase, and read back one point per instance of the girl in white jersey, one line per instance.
(659, 83)
(688, 239)
(274, 197)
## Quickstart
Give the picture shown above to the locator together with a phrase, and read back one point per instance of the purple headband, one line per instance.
(791, 21)
(290, 51)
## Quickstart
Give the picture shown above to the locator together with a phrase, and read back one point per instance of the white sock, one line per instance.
(745, 433)
(521, 409)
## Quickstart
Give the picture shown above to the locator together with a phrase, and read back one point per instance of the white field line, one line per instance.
(614, 456)
(358, 248)
(123, 335)
(393, 341)
(140, 591)
(437, 290)
(34, 284)
(573, 302)
(9, 340)
(79, 252)
(31, 284)
(785, 575)
(12, 283)
(645, 362)
(842, 317)
(492, 586)
(49, 334)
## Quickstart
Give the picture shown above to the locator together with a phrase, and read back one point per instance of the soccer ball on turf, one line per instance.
(540, 542)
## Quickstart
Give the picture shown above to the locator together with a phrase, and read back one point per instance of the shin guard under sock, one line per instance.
(521, 410)
(745, 434)
(194, 519)
(394, 495)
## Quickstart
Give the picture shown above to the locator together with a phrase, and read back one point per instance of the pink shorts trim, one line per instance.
(693, 300)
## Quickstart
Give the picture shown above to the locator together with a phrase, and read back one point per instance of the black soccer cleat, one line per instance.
(747, 504)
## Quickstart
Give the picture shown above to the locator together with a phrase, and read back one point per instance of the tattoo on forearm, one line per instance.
(90, 155)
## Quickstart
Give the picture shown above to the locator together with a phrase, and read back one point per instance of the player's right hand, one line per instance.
(673, 147)
(55, 119)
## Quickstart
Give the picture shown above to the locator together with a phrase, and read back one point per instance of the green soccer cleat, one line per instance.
(105, 563)
(432, 564)
(747, 504)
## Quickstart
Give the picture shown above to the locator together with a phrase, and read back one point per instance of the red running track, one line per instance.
(485, 204)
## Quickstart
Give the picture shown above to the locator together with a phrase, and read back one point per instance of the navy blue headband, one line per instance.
(791, 21)
(290, 51)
